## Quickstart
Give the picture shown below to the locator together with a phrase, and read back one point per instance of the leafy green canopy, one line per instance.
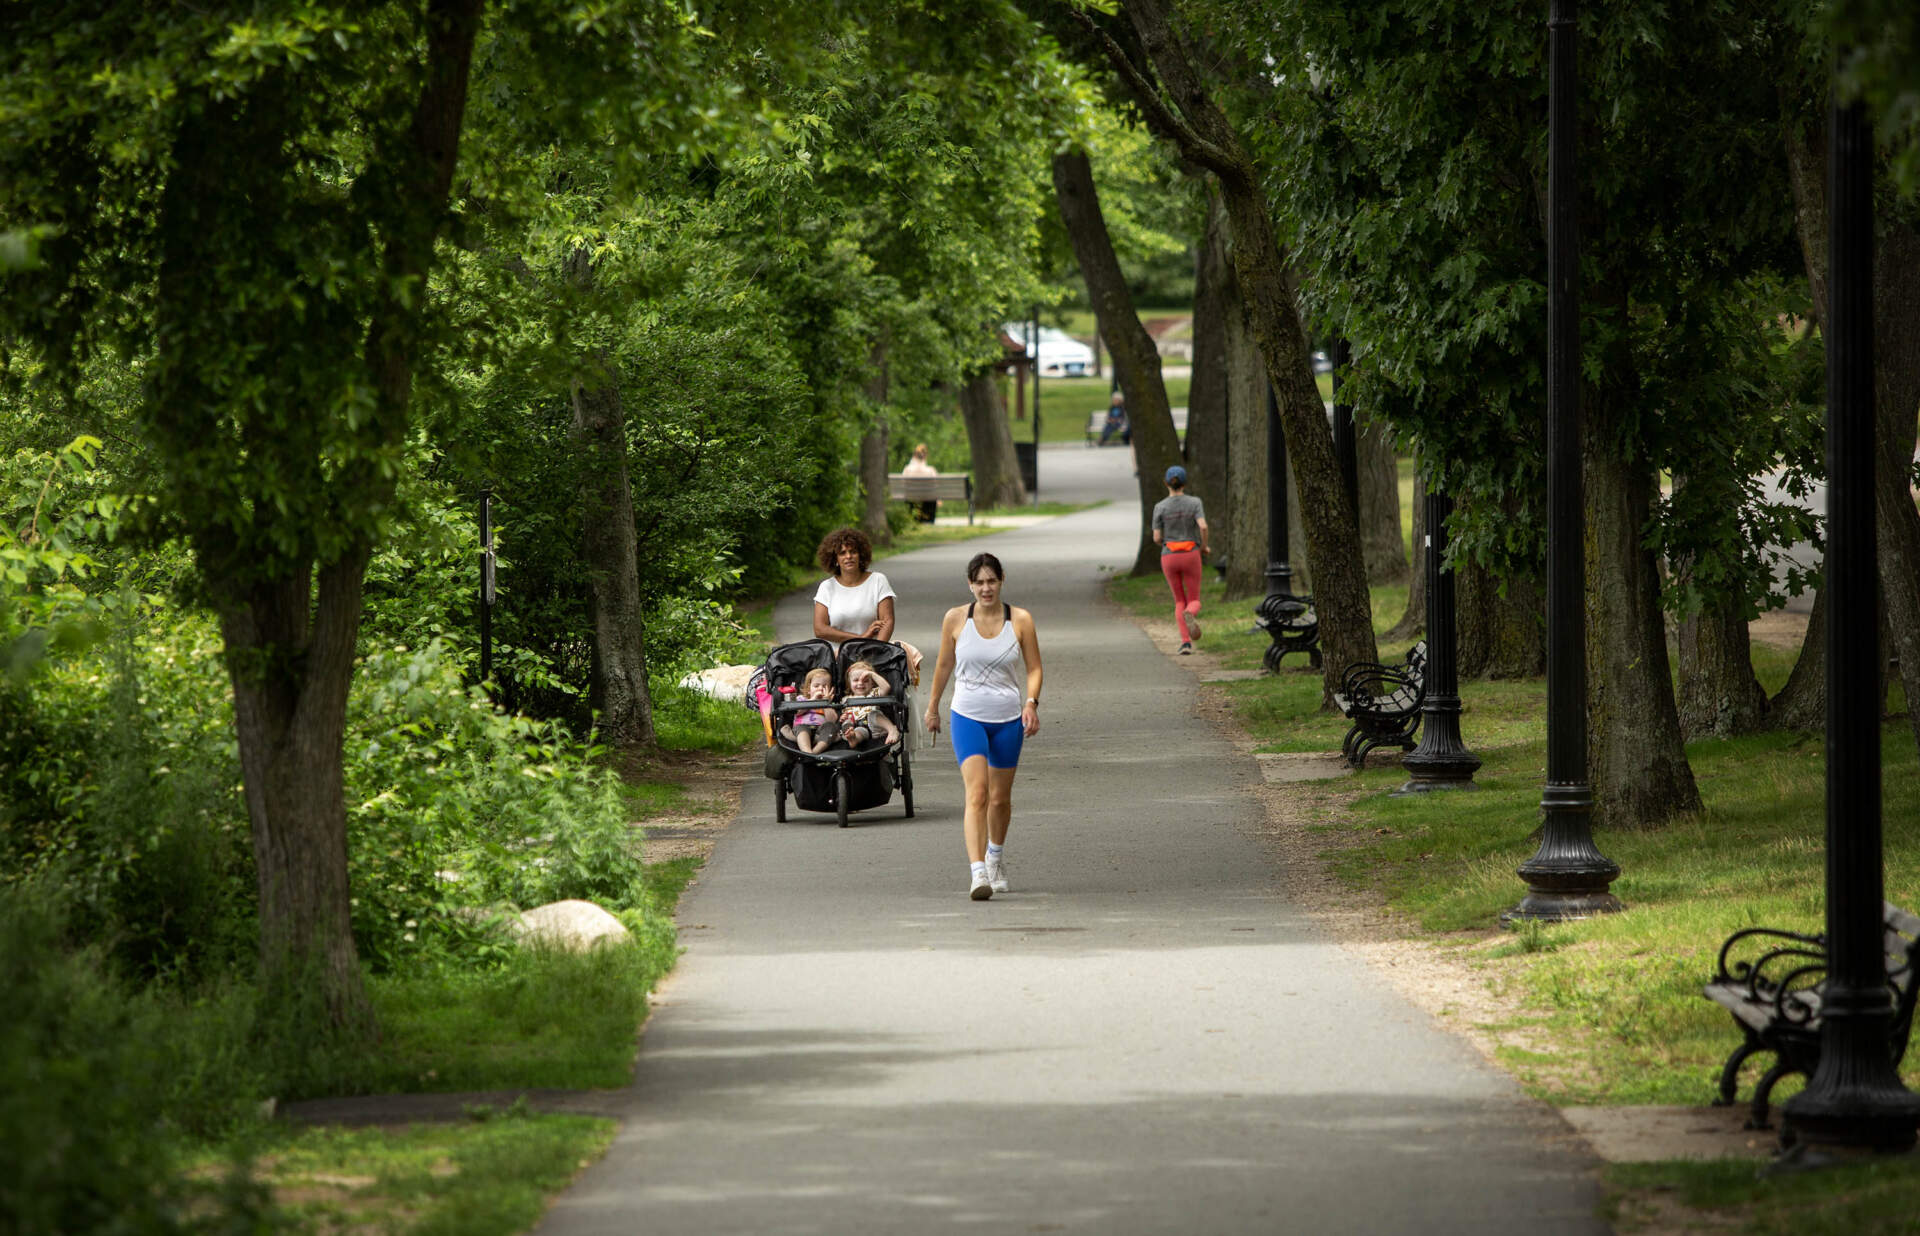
(1406, 147)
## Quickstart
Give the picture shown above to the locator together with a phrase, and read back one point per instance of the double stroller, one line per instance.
(840, 778)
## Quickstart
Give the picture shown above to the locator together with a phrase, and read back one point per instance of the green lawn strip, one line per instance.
(544, 1018)
(1874, 1198)
(482, 1178)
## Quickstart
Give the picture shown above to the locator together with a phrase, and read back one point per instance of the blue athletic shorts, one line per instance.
(999, 741)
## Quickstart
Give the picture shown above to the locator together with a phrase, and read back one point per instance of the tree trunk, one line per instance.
(609, 547)
(1802, 703)
(291, 663)
(1136, 360)
(1207, 399)
(1380, 540)
(1500, 636)
(996, 470)
(1896, 315)
(873, 454)
(1636, 760)
(873, 483)
(1245, 516)
(1414, 620)
(1719, 696)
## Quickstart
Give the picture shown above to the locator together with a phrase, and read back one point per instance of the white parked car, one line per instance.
(1061, 355)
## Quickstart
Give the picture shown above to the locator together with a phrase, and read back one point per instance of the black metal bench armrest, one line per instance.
(1374, 693)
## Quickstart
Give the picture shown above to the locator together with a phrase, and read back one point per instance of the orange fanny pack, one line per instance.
(1181, 547)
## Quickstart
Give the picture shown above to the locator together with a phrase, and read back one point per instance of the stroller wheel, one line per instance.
(780, 800)
(840, 795)
(906, 782)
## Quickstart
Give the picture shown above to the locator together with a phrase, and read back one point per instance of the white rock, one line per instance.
(722, 682)
(572, 925)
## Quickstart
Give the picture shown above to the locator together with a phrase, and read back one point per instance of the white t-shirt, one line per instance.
(853, 609)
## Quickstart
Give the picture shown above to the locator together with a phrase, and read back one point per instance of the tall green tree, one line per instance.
(1160, 60)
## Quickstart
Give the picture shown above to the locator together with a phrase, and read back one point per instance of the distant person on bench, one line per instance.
(1117, 421)
(918, 466)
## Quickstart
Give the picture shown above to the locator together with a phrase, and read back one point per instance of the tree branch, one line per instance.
(1165, 122)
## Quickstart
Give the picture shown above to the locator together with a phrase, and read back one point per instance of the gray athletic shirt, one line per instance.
(1177, 517)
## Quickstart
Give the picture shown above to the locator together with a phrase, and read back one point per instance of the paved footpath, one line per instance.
(1143, 1036)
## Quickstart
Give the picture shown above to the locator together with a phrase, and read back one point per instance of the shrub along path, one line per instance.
(1145, 1035)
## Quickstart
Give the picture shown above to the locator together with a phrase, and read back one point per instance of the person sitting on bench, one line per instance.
(1117, 421)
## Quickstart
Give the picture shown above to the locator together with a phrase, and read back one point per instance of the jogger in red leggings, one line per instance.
(1182, 569)
(1180, 529)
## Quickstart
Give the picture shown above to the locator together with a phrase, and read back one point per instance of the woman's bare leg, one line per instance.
(974, 773)
(999, 804)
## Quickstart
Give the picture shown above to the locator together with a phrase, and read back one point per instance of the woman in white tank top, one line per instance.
(992, 653)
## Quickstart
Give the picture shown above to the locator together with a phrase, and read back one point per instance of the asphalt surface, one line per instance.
(1142, 1036)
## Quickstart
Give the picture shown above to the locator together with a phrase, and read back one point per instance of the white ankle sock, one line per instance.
(994, 851)
(979, 871)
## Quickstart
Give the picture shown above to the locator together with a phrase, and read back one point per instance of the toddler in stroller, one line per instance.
(861, 722)
(814, 729)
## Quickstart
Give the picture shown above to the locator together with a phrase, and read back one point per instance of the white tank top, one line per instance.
(989, 675)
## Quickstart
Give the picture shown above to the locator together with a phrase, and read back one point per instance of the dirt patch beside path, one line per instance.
(712, 784)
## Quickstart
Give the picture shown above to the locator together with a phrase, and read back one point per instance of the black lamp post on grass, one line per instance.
(1441, 761)
(1567, 877)
(1855, 1099)
(1279, 570)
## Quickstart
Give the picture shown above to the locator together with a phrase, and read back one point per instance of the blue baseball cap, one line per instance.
(1176, 473)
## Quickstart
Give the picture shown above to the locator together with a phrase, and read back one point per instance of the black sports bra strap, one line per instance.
(1006, 611)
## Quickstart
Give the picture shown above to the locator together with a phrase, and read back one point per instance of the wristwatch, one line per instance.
(1034, 700)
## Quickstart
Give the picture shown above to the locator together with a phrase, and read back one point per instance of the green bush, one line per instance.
(100, 1079)
(454, 805)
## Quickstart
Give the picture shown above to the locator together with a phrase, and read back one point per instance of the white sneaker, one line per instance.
(997, 873)
(1193, 628)
(982, 888)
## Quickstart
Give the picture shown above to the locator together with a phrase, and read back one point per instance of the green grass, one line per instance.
(488, 1177)
(545, 1018)
(1875, 1198)
(690, 721)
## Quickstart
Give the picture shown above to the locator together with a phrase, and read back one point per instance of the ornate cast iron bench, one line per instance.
(1383, 702)
(1775, 1000)
(1292, 625)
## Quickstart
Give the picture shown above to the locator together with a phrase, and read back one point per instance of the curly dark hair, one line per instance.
(828, 554)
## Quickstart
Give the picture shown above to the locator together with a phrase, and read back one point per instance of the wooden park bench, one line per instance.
(1383, 702)
(946, 487)
(1771, 981)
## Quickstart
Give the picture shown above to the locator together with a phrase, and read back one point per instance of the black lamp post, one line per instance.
(1035, 495)
(1279, 571)
(1345, 447)
(1854, 1098)
(486, 585)
(1441, 761)
(1567, 877)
